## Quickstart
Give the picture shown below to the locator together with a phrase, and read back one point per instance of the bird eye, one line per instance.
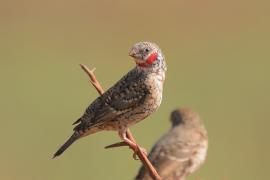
(147, 49)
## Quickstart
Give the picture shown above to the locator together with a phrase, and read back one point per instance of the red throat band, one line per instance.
(152, 58)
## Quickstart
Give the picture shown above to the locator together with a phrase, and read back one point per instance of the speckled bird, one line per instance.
(133, 98)
(182, 150)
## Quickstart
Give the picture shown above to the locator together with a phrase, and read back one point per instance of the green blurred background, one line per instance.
(218, 60)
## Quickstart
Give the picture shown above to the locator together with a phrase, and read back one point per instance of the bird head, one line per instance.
(185, 116)
(147, 55)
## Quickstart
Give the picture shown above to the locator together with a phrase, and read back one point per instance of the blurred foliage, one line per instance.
(218, 64)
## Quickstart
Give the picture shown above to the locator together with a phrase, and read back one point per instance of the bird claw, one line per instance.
(135, 154)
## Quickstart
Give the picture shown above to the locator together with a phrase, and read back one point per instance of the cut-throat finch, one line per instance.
(180, 151)
(133, 98)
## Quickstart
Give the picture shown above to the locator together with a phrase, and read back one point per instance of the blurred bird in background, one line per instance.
(133, 98)
(182, 150)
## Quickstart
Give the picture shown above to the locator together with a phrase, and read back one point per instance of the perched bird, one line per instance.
(133, 98)
(181, 150)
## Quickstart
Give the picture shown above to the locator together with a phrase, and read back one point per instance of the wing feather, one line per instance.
(124, 96)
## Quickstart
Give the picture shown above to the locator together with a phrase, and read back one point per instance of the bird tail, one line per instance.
(70, 141)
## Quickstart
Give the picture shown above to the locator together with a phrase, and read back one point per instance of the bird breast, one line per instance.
(156, 81)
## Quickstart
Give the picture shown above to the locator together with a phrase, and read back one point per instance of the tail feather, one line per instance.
(76, 122)
(70, 141)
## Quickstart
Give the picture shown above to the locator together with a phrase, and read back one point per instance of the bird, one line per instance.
(133, 98)
(180, 151)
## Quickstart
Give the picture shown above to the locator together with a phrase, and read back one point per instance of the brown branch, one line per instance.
(93, 78)
(147, 164)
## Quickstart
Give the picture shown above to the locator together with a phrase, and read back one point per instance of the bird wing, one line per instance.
(124, 96)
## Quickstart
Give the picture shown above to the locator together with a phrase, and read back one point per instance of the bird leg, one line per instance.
(123, 136)
(127, 142)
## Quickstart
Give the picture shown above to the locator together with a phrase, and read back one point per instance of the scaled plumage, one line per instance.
(181, 150)
(130, 100)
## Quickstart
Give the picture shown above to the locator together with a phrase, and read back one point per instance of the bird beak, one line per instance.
(132, 53)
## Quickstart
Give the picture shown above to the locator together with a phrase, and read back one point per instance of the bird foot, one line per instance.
(135, 154)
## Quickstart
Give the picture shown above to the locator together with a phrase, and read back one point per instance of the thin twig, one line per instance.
(93, 79)
(147, 164)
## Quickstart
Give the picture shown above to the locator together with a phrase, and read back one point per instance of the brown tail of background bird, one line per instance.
(70, 141)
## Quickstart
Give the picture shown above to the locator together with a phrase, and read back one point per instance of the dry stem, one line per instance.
(147, 164)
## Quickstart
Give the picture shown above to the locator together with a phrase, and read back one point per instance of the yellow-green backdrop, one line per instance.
(218, 56)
